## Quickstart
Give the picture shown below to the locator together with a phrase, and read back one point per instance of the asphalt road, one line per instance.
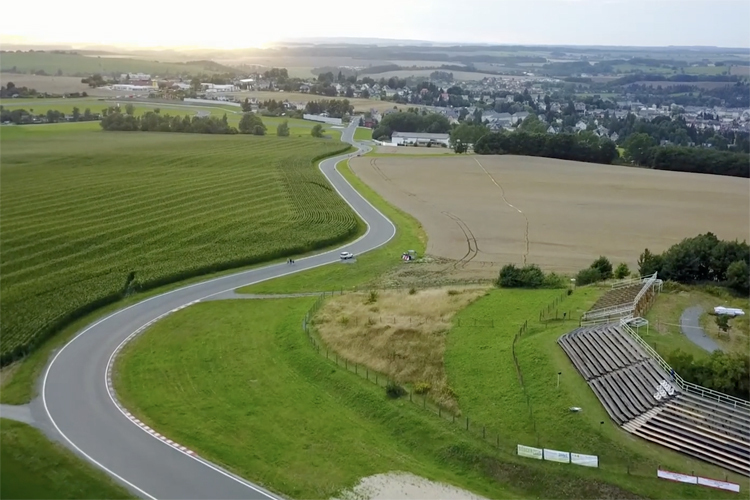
(691, 328)
(79, 404)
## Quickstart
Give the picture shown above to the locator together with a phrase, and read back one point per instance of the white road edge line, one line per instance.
(346, 157)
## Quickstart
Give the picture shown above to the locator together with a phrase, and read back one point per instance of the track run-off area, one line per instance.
(79, 405)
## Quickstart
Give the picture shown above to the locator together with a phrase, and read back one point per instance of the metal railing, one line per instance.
(609, 311)
(686, 386)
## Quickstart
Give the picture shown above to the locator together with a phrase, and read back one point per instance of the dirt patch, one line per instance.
(55, 84)
(403, 485)
(487, 211)
(398, 333)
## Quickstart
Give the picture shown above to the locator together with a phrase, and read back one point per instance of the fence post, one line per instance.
(498, 440)
(467, 423)
(368, 373)
(410, 393)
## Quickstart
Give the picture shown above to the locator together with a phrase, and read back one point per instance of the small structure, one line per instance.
(728, 311)
(419, 139)
(409, 256)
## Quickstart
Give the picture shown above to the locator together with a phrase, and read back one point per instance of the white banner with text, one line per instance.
(529, 452)
(557, 456)
(585, 460)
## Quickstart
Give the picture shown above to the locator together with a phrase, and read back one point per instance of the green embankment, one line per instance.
(33, 467)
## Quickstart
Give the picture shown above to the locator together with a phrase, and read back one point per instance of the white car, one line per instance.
(346, 255)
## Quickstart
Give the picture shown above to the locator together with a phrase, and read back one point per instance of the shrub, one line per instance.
(622, 271)
(453, 292)
(588, 276)
(317, 130)
(393, 390)
(422, 387)
(738, 276)
(722, 321)
(344, 320)
(283, 129)
(604, 266)
(525, 277)
(554, 280)
(412, 291)
(372, 297)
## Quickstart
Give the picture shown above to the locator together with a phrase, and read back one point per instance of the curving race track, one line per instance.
(79, 405)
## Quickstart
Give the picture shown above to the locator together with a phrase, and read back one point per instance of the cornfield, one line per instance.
(89, 217)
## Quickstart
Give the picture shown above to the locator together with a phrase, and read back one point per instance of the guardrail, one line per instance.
(596, 322)
(609, 311)
(682, 383)
(648, 284)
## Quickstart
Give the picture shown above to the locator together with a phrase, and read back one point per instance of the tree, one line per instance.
(246, 106)
(738, 277)
(622, 271)
(76, 114)
(637, 147)
(129, 109)
(195, 84)
(317, 130)
(722, 321)
(588, 276)
(604, 266)
(250, 123)
(649, 263)
(283, 129)
(532, 124)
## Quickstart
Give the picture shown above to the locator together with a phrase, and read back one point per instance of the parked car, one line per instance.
(346, 255)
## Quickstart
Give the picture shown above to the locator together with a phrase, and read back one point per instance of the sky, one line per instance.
(257, 23)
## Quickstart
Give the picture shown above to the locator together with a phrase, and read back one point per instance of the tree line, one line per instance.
(23, 117)
(702, 259)
(727, 373)
(335, 108)
(153, 121)
(411, 121)
(588, 148)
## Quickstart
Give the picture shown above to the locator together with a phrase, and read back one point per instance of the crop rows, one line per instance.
(87, 220)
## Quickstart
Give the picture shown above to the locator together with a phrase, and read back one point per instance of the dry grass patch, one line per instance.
(397, 333)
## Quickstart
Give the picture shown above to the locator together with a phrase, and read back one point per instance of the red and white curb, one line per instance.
(113, 395)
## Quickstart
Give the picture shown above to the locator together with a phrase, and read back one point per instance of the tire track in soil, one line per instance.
(502, 193)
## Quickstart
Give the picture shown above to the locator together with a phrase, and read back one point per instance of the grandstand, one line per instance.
(643, 395)
(627, 298)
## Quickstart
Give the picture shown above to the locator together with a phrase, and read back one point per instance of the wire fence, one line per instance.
(504, 444)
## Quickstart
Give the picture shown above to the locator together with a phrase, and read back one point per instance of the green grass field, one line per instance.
(251, 372)
(481, 370)
(363, 134)
(80, 65)
(88, 217)
(370, 267)
(33, 467)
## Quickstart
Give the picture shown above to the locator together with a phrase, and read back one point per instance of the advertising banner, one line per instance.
(585, 460)
(557, 456)
(529, 452)
(722, 485)
(676, 476)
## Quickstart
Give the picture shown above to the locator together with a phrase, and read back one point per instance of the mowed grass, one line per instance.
(89, 217)
(480, 368)
(363, 134)
(265, 405)
(370, 267)
(33, 467)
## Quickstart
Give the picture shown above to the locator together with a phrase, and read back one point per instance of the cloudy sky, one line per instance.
(252, 23)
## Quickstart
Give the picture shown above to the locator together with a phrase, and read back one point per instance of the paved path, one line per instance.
(691, 327)
(20, 413)
(81, 407)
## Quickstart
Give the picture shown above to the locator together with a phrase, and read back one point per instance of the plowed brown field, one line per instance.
(487, 211)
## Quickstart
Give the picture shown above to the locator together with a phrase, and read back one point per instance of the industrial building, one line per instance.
(419, 139)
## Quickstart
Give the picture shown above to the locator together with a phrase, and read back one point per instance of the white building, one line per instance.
(213, 87)
(418, 138)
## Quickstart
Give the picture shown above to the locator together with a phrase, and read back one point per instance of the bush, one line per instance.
(727, 373)
(453, 292)
(251, 123)
(530, 276)
(738, 277)
(317, 130)
(393, 390)
(372, 297)
(412, 291)
(554, 280)
(588, 276)
(622, 271)
(283, 129)
(422, 388)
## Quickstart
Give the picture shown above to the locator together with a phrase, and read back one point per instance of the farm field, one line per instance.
(80, 65)
(334, 417)
(363, 134)
(89, 217)
(34, 467)
(558, 214)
